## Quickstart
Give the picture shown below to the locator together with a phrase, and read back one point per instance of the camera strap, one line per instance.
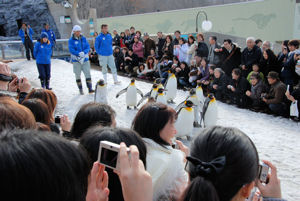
(5, 78)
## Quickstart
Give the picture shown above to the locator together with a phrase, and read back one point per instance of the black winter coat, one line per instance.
(202, 50)
(228, 64)
(250, 57)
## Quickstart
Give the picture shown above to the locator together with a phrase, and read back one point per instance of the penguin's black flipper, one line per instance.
(95, 92)
(140, 92)
(121, 92)
(180, 105)
(205, 106)
(177, 113)
(143, 99)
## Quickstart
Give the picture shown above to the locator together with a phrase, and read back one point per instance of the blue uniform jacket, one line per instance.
(42, 52)
(77, 45)
(51, 35)
(103, 44)
(22, 34)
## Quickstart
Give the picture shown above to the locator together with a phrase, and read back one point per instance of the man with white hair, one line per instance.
(79, 49)
(266, 45)
(250, 55)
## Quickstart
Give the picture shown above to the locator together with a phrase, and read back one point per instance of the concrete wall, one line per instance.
(297, 21)
(266, 19)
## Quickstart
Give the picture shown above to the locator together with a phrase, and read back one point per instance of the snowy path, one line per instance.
(276, 139)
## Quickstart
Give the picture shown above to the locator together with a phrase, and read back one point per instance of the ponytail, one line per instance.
(200, 189)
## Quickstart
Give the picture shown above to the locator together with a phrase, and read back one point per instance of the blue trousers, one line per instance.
(44, 71)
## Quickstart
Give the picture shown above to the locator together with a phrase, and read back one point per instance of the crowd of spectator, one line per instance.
(253, 78)
(45, 159)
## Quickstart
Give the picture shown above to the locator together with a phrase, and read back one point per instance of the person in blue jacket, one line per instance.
(103, 47)
(79, 49)
(51, 34)
(42, 52)
(25, 34)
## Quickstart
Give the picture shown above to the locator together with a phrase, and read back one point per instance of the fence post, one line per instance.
(2, 50)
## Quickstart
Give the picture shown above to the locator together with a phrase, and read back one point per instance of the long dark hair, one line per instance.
(151, 119)
(40, 166)
(92, 114)
(237, 160)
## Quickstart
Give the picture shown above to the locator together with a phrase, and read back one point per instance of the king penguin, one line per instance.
(101, 92)
(151, 94)
(185, 120)
(197, 106)
(161, 97)
(159, 84)
(209, 111)
(171, 87)
(199, 93)
(131, 94)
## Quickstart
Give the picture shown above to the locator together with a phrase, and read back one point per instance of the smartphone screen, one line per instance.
(109, 157)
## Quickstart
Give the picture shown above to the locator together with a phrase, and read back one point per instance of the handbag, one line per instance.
(294, 112)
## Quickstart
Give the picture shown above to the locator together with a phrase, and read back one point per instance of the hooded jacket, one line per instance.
(42, 52)
(22, 33)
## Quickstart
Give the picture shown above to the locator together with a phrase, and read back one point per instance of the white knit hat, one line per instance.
(76, 28)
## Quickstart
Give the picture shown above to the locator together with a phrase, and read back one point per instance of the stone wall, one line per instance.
(32, 12)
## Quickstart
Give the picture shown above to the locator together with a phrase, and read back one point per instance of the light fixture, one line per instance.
(206, 24)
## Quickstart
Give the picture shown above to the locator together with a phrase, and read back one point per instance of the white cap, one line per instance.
(76, 28)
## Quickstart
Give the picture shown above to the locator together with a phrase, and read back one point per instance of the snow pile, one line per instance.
(277, 139)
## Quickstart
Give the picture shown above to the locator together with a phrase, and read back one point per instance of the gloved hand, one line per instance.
(81, 54)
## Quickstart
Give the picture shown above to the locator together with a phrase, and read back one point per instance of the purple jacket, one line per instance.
(204, 73)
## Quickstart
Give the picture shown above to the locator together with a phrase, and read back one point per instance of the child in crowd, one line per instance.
(255, 68)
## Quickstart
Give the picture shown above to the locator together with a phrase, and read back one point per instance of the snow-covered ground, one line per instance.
(277, 139)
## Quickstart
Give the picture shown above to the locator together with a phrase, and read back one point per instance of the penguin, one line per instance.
(131, 94)
(161, 97)
(159, 84)
(101, 92)
(151, 94)
(199, 93)
(197, 106)
(171, 87)
(185, 120)
(209, 112)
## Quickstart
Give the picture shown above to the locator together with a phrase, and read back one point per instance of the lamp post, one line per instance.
(206, 24)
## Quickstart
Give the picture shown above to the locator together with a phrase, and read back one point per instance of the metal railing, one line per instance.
(16, 49)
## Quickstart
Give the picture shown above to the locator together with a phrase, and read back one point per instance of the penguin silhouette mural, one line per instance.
(185, 120)
(100, 92)
(131, 94)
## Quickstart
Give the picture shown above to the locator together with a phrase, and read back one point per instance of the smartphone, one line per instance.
(108, 154)
(263, 172)
(288, 88)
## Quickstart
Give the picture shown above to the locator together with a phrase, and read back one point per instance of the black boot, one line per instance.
(89, 85)
(79, 84)
(43, 83)
(48, 84)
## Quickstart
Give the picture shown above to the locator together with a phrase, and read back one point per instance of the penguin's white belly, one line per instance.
(101, 95)
(199, 94)
(184, 123)
(171, 88)
(131, 96)
(211, 115)
(161, 99)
